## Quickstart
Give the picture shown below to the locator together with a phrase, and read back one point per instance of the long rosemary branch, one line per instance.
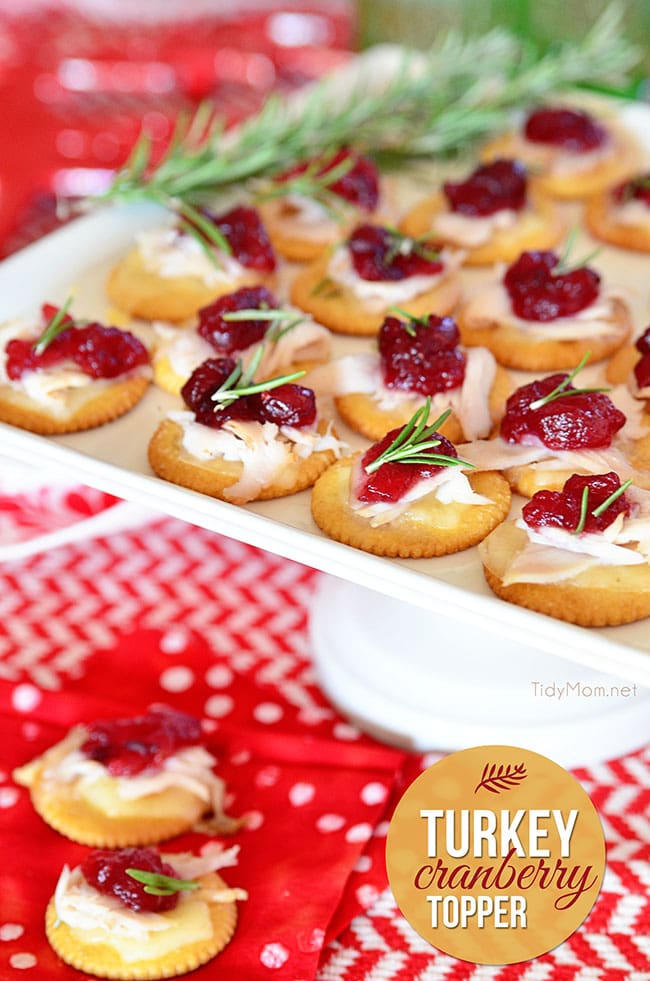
(434, 103)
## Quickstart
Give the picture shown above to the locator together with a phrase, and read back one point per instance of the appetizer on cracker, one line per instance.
(351, 289)
(491, 215)
(63, 375)
(129, 781)
(407, 496)
(138, 914)
(417, 357)
(242, 440)
(546, 312)
(573, 153)
(581, 554)
(175, 270)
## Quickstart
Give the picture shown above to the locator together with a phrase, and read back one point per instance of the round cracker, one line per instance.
(342, 311)
(213, 477)
(140, 822)
(362, 413)
(144, 293)
(103, 961)
(93, 405)
(598, 597)
(427, 528)
(603, 223)
(538, 226)
(512, 348)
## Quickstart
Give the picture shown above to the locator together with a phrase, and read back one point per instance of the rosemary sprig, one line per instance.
(157, 884)
(280, 321)
(414, 440)
(54, 327)
(565, 264)
(580, 527)
(596, 513)
(412, 320)
(612, 497)
(399, 242)
(459, 91)
(562, 389)
(240, 382)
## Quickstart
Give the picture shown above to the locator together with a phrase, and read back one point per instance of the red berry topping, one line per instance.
(393, 480)
(203, 383)
(587, 420)
(570, 129)
(247, 237)
(536, 293)
(642, 367)
(359, 185)
(126, 747)
(105, 871)
(637, 189)
(562, 509)
(490, 188)
(100, 352)
(643, 342)
(228, 336)
(381, 254)
(286, 405)
(421, 355)
(642, 371)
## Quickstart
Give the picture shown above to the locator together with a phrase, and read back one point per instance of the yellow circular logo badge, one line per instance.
(495, 855)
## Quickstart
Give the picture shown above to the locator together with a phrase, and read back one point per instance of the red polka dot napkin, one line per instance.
(173, 613)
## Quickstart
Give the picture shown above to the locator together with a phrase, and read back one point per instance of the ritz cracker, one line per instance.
(495, 855)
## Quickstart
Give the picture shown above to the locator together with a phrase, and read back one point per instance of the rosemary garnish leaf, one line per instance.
(580, 527)
(612, 497)
(55, 327)
(157, 884)
(562, 390)
(240, 381)
(414, 439)
(564, 264)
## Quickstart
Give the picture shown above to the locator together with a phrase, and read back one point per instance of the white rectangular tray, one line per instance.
(113, 457)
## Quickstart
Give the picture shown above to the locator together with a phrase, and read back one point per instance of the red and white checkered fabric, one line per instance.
(175, 612)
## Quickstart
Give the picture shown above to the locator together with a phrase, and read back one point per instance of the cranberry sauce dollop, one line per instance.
(228, 336)
(244, 231)
(126, 747)
(393, 480)
(380, 254)
(572, 422)
(105, 870)
(421, 355)
(571, 129)
(642, 367)
(636, 189)
(286, 405)
(358, 186)
(490, 188)
(98, 351)
(537, 293)
(561, 509)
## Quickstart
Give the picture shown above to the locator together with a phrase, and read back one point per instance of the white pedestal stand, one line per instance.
(419, 679)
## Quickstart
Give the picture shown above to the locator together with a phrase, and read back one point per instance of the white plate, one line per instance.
(113, 457)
